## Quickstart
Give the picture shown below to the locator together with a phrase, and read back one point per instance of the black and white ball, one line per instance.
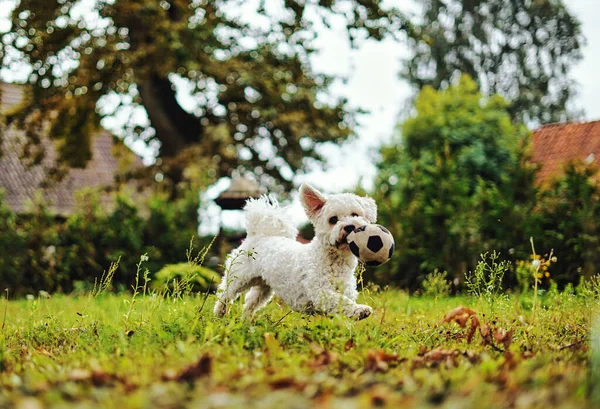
(373, 244)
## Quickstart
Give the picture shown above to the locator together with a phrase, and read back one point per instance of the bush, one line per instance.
(185, 277)
(436, 284)
(44, 253)
(454, 184)
(567, 220)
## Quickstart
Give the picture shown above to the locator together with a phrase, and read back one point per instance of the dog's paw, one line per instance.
(362, 311)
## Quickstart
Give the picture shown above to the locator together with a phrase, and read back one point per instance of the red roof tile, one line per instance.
(558, 144)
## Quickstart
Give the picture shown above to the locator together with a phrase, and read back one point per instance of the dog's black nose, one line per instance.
(349, 228)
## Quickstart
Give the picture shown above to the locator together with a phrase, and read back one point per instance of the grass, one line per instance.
(156, 352)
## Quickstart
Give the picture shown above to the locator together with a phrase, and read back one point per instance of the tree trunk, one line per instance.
(175, 128)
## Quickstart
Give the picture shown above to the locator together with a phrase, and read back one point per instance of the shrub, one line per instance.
(42, 252)
(436, 284)
(453, 184)
(567, 217)
(185, 277)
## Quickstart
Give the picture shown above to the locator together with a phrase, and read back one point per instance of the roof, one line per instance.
(10, 96)
(556, 145)
(235, 196)
(21, 183)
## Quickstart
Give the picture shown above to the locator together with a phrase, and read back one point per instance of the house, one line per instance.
(556, 145)
(21, 183)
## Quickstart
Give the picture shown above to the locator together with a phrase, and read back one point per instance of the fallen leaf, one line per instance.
(323, 359)
(486, 336)
(472, 357)
(503, 337)
(200, 368)
(436, 357)
(379, 361)
(460, 315)
(100, 377)
(509, 360)
(286, 383)
(474, 325)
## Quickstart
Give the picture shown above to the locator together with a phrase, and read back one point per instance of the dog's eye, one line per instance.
(333, 220)
(354, 215)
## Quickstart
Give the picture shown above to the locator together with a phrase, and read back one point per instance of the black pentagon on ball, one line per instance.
(383, 229)
(373, 263)
(361, 228)
(374, 244)
(391, 251)
(354, 249)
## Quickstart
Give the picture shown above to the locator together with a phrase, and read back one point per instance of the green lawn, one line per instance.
(169, 353)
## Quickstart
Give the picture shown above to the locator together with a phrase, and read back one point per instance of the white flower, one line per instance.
(144, 257)
(535, 263)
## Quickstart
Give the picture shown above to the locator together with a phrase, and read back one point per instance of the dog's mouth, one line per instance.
(342, 243)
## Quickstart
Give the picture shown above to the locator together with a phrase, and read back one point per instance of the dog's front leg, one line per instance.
(330, 301)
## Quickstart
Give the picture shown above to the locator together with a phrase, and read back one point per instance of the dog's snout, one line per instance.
(349, 228)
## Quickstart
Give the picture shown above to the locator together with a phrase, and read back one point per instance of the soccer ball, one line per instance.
(373, 244)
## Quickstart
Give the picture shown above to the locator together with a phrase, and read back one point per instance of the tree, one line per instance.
(455, 184)
(566, 216)
(255, 97)
(521, 50)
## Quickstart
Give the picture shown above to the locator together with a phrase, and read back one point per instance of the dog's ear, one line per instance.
(370, 208)
(312, 200)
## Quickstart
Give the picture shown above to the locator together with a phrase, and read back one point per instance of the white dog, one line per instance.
(315, 278)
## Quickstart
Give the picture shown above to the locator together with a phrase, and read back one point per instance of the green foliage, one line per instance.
(522, 50)
(12, 245)
(185, 278)
(454, 183)
(436, 284)
(47, 254)
(567, 219)
(486, 281)
(142, 52)
(589, 289)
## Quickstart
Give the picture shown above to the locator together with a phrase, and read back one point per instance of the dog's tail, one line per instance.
(264, 217)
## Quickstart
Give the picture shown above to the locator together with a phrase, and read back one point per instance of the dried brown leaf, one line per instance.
(379, 361)
(200, 368)
(286, 383)
(486, 336)
(322, 359)
(460, 315)
(503, 337)
(474, 325)
(436, 357)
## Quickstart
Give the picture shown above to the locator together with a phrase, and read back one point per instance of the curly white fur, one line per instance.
(316, 277)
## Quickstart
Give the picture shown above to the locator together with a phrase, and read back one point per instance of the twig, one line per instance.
(205, 296)
(571, 345)
(281, 319)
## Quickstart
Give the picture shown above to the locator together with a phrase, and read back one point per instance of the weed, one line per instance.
(136, 288)
(436, 284)
(589, 289)
(103, 285)
(486, 281)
